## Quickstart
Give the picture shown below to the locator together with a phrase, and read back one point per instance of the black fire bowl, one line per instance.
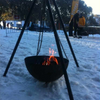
(44, 73)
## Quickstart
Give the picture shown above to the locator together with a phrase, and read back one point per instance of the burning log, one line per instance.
(51, 61)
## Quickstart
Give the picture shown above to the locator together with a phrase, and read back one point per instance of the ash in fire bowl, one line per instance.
(45, 68)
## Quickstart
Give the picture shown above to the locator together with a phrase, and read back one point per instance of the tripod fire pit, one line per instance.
(42, 67)
(39, 68)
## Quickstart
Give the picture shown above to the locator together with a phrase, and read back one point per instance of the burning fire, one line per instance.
(51, 58)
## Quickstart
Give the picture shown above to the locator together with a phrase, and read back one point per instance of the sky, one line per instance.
(95, 4)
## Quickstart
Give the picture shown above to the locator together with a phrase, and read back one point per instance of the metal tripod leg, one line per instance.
(18, 41)
(66, 34)
(60, 52)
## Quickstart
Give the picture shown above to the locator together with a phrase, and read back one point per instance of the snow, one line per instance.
(20, 85)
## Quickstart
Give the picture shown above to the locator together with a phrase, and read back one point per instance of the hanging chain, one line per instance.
(41, 29)
(63, 48)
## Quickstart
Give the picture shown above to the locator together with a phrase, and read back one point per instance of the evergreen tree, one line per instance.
(22, 7)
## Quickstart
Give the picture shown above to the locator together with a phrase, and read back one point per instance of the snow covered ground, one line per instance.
(20, 85)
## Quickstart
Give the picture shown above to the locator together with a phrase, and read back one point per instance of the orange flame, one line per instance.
(51, 58)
